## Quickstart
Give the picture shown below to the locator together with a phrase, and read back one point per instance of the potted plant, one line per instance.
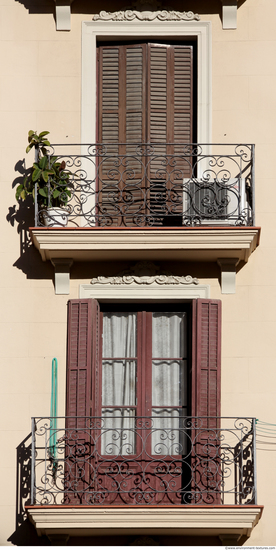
(48, 182)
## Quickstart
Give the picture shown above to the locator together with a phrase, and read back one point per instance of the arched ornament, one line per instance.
(146, 15)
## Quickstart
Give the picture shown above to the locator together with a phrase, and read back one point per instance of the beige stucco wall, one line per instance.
(40, 89)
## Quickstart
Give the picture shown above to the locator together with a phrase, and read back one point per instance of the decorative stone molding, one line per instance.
(134, 15)
(144, 282)
(145, 273)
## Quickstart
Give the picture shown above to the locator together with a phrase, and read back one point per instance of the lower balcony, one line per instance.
(145, 475)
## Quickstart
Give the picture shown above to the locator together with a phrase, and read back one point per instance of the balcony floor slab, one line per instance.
(237, 521)
(183, 243)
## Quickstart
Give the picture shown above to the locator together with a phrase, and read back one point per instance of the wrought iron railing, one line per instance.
(143, 460)
(130, 185)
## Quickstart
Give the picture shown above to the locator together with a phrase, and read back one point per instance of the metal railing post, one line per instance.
(36, 204)
(33, 464)
(253, 184)
(254, 452)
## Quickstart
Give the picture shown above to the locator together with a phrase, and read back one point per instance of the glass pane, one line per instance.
(169, 383)
(169, 334)
(118, 432)
(119, 334)
(168, 438)
(118, 383)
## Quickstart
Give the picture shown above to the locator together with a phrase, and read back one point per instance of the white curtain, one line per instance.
(118, 383)
(169, 381)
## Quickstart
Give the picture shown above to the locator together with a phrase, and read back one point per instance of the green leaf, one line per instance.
(43, 162)
(56, 193)
(36, 174)
(45, 175)
(18, 191)
(43, 191)
(43, 134)
(29, 147)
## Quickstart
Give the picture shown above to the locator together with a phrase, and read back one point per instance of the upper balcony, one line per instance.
(173, 474)
(149, 201)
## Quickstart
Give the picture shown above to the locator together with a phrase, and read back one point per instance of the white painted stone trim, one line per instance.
(148, 293)
(228, 274)
(144, 281)
(186, 520)
(63, 15)
(146, 15)
(229, 14)
(62, 274)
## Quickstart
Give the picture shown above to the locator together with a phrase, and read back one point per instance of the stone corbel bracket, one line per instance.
(228, 274)
(63, 15)
(229, 14)
(62, 274)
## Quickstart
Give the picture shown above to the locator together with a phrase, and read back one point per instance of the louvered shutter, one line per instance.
(82, 354)
(145, 96)
(122, 124)
(207, 358)
(170, 122)
(82, 350)
(206, 401)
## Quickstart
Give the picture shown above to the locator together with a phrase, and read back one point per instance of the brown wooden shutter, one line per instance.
(170, 121)
(82, 358)
(206, 369)
(206, 402)
(145, 96)
(122, 124)
(82, 352)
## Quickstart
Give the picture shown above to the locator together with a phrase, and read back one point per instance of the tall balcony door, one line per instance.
(139, 372)
(145, 119)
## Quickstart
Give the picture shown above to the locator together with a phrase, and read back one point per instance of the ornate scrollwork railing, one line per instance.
(132, 185)
(143, 461)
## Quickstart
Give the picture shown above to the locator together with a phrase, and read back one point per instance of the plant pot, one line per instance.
(55, 217)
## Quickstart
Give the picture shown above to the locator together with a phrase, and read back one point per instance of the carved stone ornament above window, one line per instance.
(145, 273)
(132, 15)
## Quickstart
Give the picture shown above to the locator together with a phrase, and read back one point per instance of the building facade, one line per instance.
(137, 289)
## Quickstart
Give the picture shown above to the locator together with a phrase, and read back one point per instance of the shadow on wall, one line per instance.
(25, 533)
(22, 216)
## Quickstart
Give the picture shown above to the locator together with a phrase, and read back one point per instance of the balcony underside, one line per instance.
(189, 244)
(227, 522)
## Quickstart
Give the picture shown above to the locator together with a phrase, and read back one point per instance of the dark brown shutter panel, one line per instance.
(207, 358)
(170, 94)
(82, 333)
(206, 401)
(122, 124)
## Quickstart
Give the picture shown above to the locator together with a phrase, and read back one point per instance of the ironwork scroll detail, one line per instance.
(144, 461)
(138, 185)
